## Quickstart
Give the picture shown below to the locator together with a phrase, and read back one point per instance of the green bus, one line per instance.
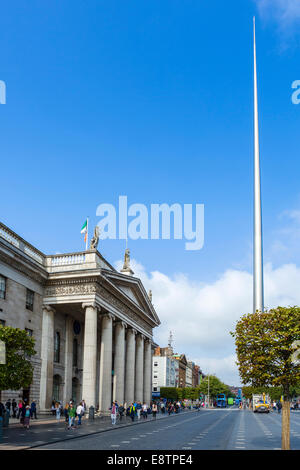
(230, 401)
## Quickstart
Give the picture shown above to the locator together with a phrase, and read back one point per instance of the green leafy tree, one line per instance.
(265, 345)
(213, 386)
(17, 372)
(169, 392)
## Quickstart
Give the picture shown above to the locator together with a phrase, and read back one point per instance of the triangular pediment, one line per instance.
(134, 290)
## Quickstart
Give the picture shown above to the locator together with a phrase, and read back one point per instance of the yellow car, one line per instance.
(261, 407)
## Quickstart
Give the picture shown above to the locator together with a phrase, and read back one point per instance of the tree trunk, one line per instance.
(285, 425)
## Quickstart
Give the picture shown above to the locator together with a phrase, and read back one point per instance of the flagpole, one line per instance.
(87, 234)
(258, 295)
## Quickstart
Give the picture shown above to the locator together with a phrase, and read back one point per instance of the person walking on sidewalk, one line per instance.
(14, 407)
(20, 406)
(154, 410)
(138, 409)
(72, 415)
(8, 406)
(84, 407)
(132, 412)
(33, 410)
(66, 412)
(26, 417)
(22, 413)
(145, 411)
(79, 412)
(113, 413)
(121, 412)
(279, 406)
(57, 411)
(170, 408)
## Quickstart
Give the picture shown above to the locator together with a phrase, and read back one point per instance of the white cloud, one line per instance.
(285, 245)
(202, 315)
(285, 12)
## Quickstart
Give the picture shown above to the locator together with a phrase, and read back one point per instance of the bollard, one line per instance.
(91, 412)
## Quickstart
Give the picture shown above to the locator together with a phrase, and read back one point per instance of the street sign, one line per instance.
(2, 352)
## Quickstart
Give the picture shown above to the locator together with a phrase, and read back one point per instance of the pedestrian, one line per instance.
(2, 409)
(20, 405)
(279, 406)
(26, 420)
(72, 415)
(8, 406)
(162, 408)
(154, 410)
(22, 412)
(121, 410)
(132, 412)
(144, 411)
(84, 407)
(57, 411)
(66, 412)
(53, 409)
(80, 412)
(113, 413)
(138, 409)
(33, 410)
(14, 407)
(170, 408)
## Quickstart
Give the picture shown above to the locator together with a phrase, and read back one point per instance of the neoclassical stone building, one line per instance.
(92, 325)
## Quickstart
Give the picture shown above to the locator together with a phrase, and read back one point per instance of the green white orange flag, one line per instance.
(84, 229)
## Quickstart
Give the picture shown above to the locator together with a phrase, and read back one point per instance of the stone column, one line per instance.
(119, 363)
(68, 359)
(147, 372)
(105, 377)
(139, 368)
(47, 358)
(89, 354)
(130, 366)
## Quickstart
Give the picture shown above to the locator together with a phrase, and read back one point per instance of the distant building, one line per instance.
(189, 374)
(163, 369)
(163, 372)
(180, 370)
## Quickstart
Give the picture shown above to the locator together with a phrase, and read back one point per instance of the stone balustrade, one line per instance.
(18, 242)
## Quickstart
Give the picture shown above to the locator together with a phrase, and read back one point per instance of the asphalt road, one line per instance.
(220, 429)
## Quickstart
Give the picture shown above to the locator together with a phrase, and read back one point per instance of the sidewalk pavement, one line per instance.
(48, 430)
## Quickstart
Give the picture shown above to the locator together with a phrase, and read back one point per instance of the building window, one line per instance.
(29, 332)
(57, 387)
(29, 299)
(155, 364)
(155, 389)
(2, 322)
(57, 347)
(75, 352)
(2, 287)
(155, 377)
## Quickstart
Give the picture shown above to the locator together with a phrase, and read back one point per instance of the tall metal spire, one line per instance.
(258, 284)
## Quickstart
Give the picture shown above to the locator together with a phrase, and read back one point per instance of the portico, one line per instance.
(116, 319)
(92, 325)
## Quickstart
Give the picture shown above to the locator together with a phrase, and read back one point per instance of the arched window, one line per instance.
(57, 347)
(75, 352)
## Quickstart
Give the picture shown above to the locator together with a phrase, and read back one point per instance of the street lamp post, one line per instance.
(208, 389)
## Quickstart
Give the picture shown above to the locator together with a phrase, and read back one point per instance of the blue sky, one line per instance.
(152, 100)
